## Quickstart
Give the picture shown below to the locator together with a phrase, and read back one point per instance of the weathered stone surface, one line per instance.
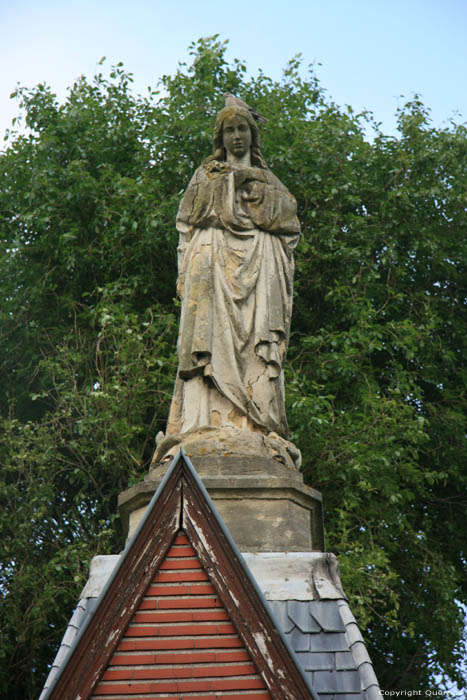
(232, 101)
(263, 519)
(292, 575)
(280, 575)
(100, 568)
(227, 442)
(238, 230)
(263, 503)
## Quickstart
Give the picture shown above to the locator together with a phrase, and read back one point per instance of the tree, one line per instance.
(376, 374)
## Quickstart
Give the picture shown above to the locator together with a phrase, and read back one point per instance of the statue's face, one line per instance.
(237, 136)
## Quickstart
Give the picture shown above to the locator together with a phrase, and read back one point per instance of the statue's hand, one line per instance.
(252, 191)
(247, 175)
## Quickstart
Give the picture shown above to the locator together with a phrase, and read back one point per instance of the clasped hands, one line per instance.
(250, 182)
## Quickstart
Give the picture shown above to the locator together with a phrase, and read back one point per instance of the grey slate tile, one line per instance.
(298, 640)
(373, 693)
(345, 612)
(353, 633)
(367, 675)
(78, 617)
(279, 609)
(61, 654)
(345, 661)
(335, 658)
(348, 682)
(327, 615)
(321, 661)
(336, 682)
(299, 612)
(330, 641)
(360, 654)
(324, 681)
(69, 636)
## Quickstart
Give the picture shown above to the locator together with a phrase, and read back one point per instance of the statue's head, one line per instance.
(227, 114)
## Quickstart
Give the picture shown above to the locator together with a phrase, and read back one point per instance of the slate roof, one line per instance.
(318, 624)
(330, 648)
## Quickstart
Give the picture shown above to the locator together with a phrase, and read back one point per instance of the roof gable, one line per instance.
(181, 589)
(181, 639)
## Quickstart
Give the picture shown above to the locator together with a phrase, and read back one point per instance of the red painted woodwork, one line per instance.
(181, 641)
(144, 640)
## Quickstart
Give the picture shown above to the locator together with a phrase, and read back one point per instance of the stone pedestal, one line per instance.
(264, 503)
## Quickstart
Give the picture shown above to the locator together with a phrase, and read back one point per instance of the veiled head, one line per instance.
(257, 159)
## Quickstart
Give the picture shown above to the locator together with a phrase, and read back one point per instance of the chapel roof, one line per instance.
(180, 616)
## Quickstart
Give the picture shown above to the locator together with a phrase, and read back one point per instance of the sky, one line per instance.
(373, 54)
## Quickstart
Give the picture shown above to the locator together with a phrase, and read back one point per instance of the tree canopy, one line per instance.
(377, 364)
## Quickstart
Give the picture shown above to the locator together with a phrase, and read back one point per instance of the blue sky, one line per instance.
(371, 52)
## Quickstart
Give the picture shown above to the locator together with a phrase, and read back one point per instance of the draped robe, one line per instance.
(238, 230)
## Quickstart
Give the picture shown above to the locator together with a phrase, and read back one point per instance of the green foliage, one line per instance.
(376, 374)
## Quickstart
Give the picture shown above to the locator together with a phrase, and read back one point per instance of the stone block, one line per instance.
(263, 503)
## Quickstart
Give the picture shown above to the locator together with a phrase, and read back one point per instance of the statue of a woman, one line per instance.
(238, 230)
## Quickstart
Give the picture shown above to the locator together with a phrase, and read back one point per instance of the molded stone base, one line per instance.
(227, 441)
(264, 504)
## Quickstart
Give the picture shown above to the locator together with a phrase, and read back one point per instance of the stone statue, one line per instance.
(238, 231)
